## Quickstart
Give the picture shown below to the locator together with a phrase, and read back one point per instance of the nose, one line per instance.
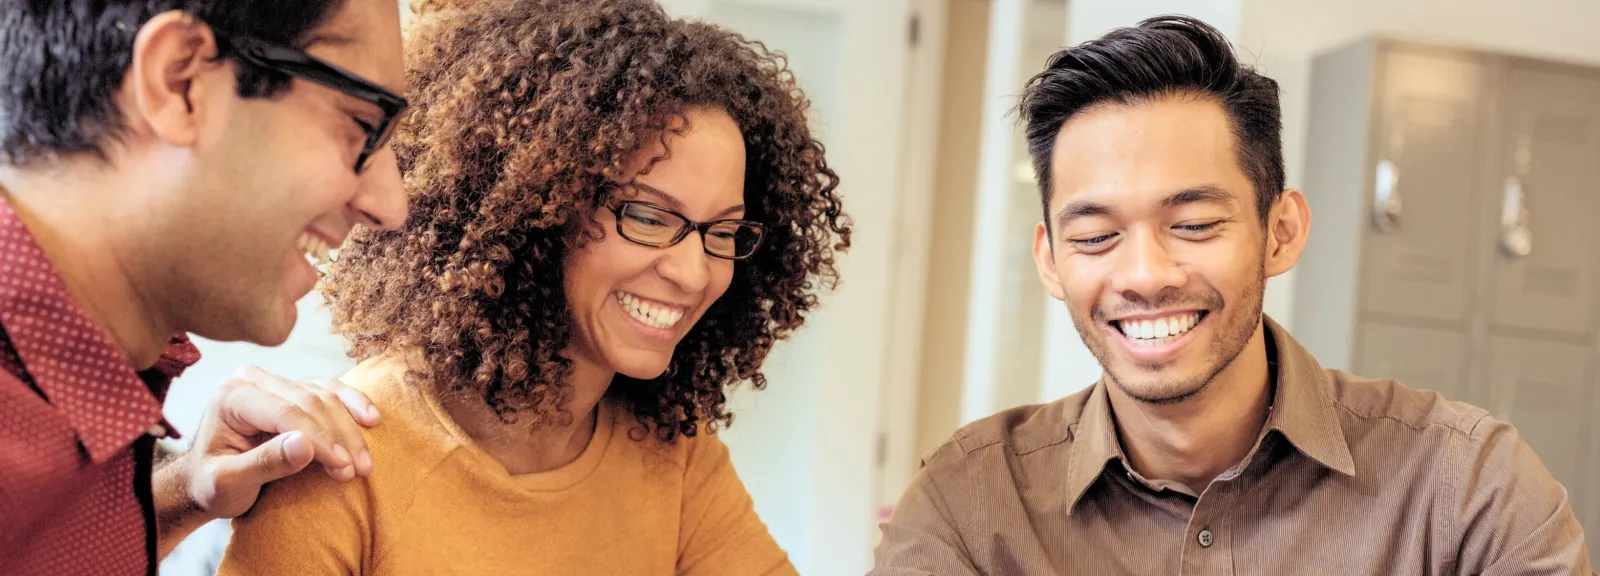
(380, 201)
(1146, 267)
(686, 264)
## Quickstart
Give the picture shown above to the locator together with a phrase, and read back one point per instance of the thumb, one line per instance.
(276, 458)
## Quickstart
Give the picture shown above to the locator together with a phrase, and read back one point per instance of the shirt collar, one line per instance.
(1303, 408)
(1303, 412)
(69, 358)
(1094, 442)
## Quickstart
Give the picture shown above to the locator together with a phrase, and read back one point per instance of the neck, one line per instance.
(69, 210)
(525, 447)
(1194, 441)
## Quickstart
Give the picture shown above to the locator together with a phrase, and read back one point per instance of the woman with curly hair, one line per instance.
(615, 215)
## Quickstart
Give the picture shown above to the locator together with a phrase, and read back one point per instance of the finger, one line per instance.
(349, 446)
(277, 458)
(250, 409)
(360, 407)
(364, 412)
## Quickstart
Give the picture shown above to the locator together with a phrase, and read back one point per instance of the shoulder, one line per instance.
(407, 444)
(1365, 403)
(412, 429)
(1477, 454)
(1013, 433)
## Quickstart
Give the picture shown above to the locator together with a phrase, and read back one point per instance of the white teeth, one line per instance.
(648, 313)
(1159, 330)
(314, 247)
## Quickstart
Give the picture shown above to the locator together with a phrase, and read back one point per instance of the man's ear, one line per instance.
(168, 81)
(1044, 261)
(1288, 228)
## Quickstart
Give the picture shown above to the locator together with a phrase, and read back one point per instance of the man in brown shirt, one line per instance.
(1214, 444)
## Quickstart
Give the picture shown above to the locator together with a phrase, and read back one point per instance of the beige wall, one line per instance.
(944, 334)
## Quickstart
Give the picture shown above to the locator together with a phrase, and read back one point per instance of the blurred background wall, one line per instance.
(940, 318)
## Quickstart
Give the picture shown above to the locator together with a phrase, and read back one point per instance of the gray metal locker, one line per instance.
(1419, 247)
(1421, 358)
(1455, 245)
(1545, 388)
(1548, 202)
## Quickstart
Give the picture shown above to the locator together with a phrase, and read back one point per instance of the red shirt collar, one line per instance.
(60, 348)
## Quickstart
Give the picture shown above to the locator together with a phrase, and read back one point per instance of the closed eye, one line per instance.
(1199, 230)
(646, 220)
(1197, 227)
(1092, 244)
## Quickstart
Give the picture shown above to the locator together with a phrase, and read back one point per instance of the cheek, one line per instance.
(721, 279)
(581, 270)
(286, 170)
(1229, 266)
(1083, 279)
(604, 265)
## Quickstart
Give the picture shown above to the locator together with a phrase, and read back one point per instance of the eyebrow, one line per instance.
(1203, 194)
(1080, 209)
(674, 203)
(1207, 194)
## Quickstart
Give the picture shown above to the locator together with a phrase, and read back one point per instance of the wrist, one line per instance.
(178, 513)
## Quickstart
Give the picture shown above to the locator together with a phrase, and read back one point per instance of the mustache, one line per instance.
(1161, 301)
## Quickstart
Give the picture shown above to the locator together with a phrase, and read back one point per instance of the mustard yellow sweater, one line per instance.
(437, 505)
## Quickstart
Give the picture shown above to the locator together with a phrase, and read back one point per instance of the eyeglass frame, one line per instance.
(618, 207)
(292, 62)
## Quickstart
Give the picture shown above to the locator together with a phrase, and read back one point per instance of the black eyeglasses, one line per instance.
(295, 63)
(654, 226)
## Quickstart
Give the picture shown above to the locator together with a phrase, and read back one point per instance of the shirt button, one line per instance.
(1205, 539)
(157, 431)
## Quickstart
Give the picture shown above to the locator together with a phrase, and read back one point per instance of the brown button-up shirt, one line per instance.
(1349, 476)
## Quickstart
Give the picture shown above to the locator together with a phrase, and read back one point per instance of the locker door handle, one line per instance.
(1386, 206)
(1515, 237)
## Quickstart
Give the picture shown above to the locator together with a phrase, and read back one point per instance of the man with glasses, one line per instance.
(171, 167)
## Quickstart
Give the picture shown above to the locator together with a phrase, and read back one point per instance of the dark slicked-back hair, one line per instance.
(1165, 56)
(62, 61)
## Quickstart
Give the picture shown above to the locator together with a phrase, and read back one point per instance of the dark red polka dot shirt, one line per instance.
(77, 427)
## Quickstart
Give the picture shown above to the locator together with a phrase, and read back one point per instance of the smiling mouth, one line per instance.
(658, 315)
(1158, 331)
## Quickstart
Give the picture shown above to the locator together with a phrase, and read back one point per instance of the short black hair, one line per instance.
(1164, 56)
(62, 61)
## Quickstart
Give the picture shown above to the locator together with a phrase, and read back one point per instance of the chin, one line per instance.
(643, 368)
(1160, 390)
(269, 328)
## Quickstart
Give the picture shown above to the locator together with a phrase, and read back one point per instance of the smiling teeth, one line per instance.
(315, 248)
(1152, 332)
(650, 313)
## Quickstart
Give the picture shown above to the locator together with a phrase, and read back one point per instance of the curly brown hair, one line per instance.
(524, 115)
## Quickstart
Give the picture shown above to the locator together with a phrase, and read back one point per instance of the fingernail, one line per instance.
(294, 443)
(366, 460)
(372, 412)
(341, 455)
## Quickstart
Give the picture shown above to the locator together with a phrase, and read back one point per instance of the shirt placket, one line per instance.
(1208, 539)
